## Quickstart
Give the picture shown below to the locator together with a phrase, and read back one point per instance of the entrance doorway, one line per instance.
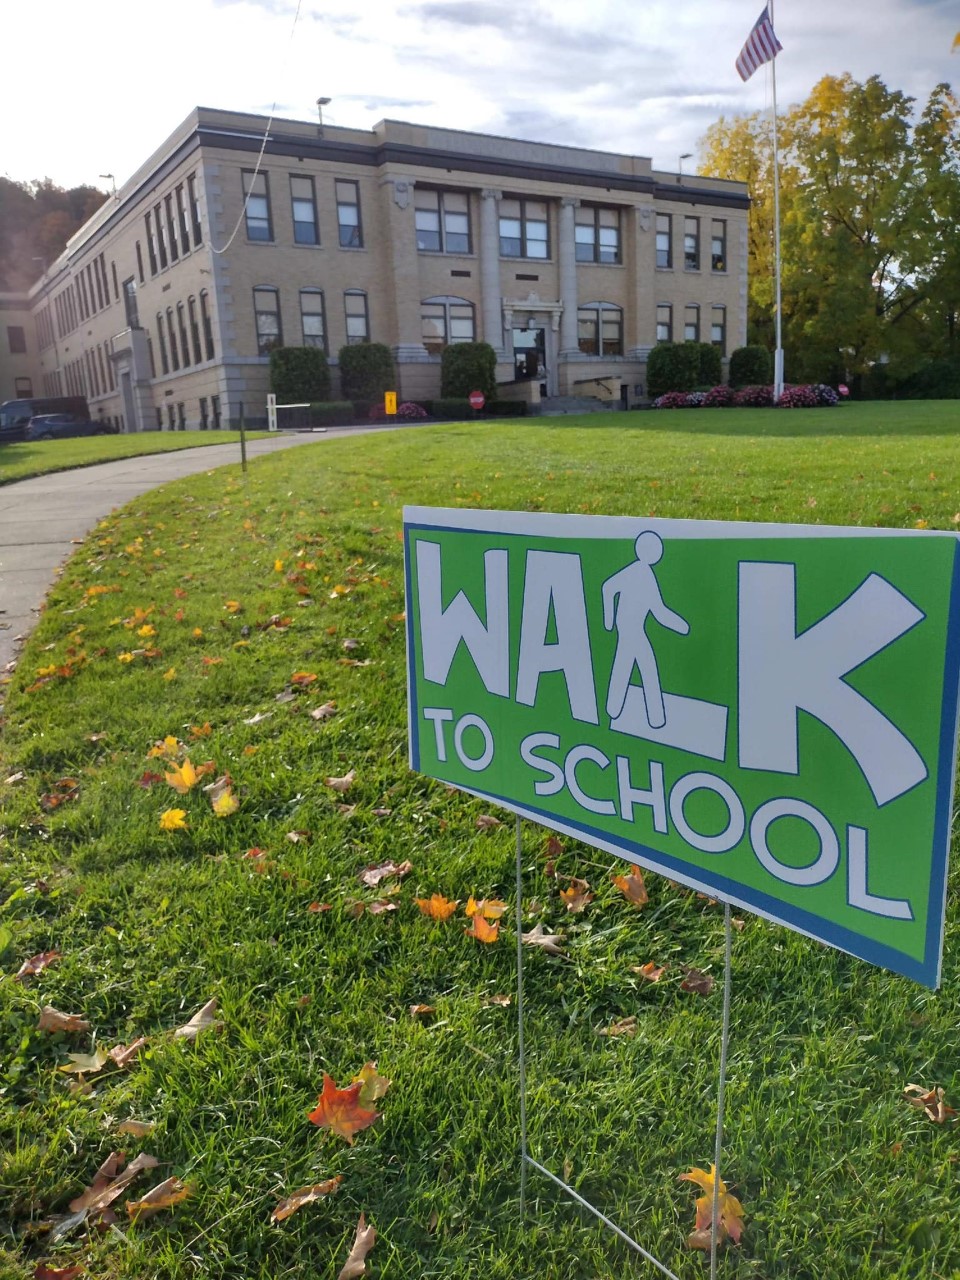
(530, 354)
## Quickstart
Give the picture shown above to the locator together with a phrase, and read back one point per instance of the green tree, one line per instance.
(366, 371)
(466, 367)
(299, 374)
(36, 221)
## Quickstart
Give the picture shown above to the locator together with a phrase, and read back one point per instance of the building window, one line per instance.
(207, 325)
(91, 289)
(103, 289)
(313, 319)
(691, 244)
(523, 229)
(256, 194)
(348, 215)
(443, 221)
(152, 358)
(304, 201)
(151, 244)
(597, 233)
(691, 323)
(23, 388)
(664, 322)
(718, 328)
(161, 241)
(182, 218)
(116, 287)
(718, 245)
(204, 414)
(172, 340)
(600, 329)
(664, 241)
(195, 210)
(266, 310)
(140, 275)
(358, 323)
(194, 330)
(182, 329)
(446, 320)
(215, 411)
(17, 338)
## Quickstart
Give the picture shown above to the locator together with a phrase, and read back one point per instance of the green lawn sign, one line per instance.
(767, 713)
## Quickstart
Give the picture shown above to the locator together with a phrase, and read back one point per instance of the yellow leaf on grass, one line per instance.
(730, 1210)
(437, 907)
(305, 1195)
(164, 1196)
(136, 1128)
(372, 1085)
(225, 803)
(173, 820)
(482, 930)
(87, 1063)
(182, 777)
(490, 908)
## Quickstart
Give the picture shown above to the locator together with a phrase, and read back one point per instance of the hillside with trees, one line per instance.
(870, 203)
(36, 221)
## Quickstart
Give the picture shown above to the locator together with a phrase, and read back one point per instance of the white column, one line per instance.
(490, 270)
(568, 279)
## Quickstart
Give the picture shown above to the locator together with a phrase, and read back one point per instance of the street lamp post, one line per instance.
(686, 156)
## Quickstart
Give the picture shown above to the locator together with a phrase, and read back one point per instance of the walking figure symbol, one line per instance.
(630, 597)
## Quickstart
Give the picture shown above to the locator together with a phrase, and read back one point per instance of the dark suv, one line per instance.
(57, 426)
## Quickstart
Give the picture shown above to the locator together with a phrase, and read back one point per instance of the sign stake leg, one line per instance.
(721, 1089)
(520, 1041)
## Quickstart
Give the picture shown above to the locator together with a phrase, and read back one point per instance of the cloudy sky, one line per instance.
(94, 88)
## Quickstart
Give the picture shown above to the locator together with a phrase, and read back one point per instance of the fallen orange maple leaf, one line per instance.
(182, 777)
(729, 1208)
(437, 907)
(481, 929)
(339, 1110)
(632, 887)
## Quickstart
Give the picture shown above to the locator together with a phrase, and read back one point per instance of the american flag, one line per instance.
(761, 46)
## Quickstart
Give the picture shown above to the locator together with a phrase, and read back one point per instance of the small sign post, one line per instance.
(766, 713)
(477, 400)
(390, 403)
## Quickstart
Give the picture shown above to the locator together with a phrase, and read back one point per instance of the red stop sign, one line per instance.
(477, 399)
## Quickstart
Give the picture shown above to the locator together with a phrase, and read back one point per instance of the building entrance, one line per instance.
(529, 354)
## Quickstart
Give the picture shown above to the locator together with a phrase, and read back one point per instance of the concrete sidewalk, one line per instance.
(41, 518)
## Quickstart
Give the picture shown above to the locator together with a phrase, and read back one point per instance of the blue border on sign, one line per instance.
(925, 971)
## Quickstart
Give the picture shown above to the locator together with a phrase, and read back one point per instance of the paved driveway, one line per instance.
(40, 519)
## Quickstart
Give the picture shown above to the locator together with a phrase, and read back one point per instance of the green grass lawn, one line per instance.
(20, 461)
(245, 584)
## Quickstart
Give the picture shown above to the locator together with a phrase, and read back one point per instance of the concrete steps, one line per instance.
(553, 405)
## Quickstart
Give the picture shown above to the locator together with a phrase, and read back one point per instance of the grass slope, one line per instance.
(839, 1177)
(20, 461)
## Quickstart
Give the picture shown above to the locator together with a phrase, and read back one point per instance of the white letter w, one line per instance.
(441, 630)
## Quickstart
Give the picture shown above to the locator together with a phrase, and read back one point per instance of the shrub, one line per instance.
(754, 398)
(711, 365)
(695, 399)
(802, 397)
(506, 408)
(366, 371)
(825, 395)
(750, 366)
(466, 367)
(673, 366)
(411, 412)
(720, 397)
(451, 409)
(938, 380)
(331, 413)
(671, 400)
(299, 375)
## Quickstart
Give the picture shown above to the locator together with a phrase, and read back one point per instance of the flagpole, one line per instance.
(778, 353)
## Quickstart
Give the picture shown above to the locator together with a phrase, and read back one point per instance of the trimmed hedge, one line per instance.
(673, 366)
(366, 371)
(751, 366)
(506, 408)
(299, 375)
(711, 365)
(332, 413)
(466, 367)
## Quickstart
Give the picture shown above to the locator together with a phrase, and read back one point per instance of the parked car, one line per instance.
(58, 426)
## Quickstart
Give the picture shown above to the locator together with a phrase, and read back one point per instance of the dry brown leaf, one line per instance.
(137, 1128)
(577, 899)
(501, 1001)
(342, 784)
(553, 847)
(298, 837)
(201, 1021)
(305, 1195)
(110, 1180)
(373, 874)
(650, 971)
(549, 942)
(929, 1101)
(381, 906)
(422, 1010)
(486, 821)
(259, 717)
(163, 1196)
(625, 1027)
(632, 887)
(53, 1020)
(36, 964)
(363, 1242)
(42, 1272)
(325, 712)
(696, 981)
(124, 1055)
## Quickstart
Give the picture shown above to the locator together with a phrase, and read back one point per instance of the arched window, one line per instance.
(444, 320)
(600, 329)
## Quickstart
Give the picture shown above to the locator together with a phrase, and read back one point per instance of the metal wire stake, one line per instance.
(721, 1090)
(523, 1060)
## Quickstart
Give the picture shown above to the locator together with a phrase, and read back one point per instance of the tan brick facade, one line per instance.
(163, 307)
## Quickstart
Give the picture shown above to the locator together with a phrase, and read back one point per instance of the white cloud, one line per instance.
(117, 77)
